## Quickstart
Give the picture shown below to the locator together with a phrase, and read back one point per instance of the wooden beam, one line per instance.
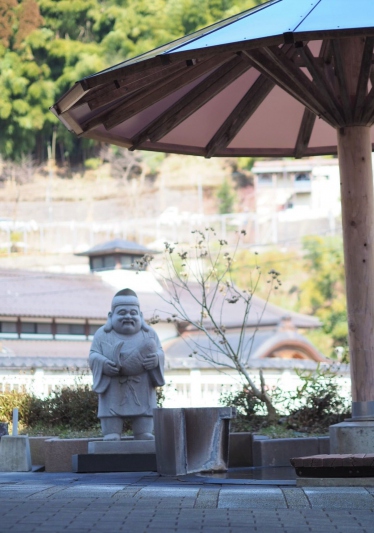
(342, 82)
(305, 133)
(70, 98)
(363, 80)
(302, 81)
(319, 79)
(326, 51)
(136, 102)
(194, 100)
(271, 70)
(124, 87)
(154, 94)
(240, 115)
(367, 117)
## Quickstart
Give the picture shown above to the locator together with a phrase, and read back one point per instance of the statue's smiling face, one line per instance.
(126, 319)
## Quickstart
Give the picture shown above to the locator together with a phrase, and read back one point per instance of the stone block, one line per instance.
(37, 449)
(58, 453)
(112, 462)
(240, 450)
(278, 452)
(323, 444)
(15, 454)
(352, 437)
(192, 439)
(170, 440)
(122, 446)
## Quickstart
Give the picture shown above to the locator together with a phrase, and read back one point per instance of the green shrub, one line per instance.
(317, 403)
(250, 415)
(73, 408)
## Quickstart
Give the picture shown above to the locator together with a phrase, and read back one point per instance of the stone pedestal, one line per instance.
(352, 437)
(117, 456)
(15, 454)
(192, 439)
(122, 446)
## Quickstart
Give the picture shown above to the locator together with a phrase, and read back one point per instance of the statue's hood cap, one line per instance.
(125, 297)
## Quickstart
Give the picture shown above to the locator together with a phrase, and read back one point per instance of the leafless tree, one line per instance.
(202, 275)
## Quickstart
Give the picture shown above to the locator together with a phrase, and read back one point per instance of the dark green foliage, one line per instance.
(72, 408)
(47, 45)
(226, 198)
(250, 411)
(317, 403)
(323, 293)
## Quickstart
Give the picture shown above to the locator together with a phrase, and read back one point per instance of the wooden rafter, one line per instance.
(143, 98)
(326, 51)
(362, 84)
(156, 93)
(302, 82)
(194, 100)
(305, 133)
(340, 75)
(320, 80)
(132, 83)
(265, 65)
(240, 115)
(367, 117)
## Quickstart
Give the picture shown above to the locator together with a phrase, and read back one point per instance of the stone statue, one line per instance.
(127, 363)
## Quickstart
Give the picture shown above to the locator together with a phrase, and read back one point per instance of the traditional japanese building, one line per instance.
(47, 322)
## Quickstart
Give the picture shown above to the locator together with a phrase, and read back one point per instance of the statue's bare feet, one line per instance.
(112, 436)
(144, 436)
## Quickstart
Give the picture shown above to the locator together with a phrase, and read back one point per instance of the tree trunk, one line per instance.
(354, 146)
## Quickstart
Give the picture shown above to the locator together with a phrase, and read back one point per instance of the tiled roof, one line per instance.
(117, 246)
(10, 348)
(258, 346)
(260, 311)
(42, 294)
(87, 296)
(62, 355)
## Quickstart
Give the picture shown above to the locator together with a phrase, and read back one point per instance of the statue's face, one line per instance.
(126, 319)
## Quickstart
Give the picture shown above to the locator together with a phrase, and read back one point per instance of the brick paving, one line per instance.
(137, 503)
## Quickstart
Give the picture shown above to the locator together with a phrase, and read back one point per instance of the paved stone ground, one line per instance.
(146, 502)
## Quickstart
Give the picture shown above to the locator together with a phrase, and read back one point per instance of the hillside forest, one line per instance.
(47, 45)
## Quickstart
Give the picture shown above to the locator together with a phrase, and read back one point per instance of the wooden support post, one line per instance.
(356, 175)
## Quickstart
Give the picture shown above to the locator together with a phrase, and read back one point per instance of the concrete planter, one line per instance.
(245, 450)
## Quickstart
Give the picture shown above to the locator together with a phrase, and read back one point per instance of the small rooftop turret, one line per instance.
(116, 254)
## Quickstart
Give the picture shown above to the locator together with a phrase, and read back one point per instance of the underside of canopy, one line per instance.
(269, 82)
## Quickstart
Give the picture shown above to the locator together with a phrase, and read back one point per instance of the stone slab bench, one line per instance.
(334, 465)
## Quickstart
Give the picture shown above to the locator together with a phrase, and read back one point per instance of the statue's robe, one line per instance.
(132, 392)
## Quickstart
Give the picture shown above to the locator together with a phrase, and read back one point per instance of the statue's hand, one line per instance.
(110, 369)
(150, 361)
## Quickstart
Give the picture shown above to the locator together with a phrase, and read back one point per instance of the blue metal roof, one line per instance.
(272, 19)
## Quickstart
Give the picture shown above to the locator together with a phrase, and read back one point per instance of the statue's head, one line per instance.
(125, 317)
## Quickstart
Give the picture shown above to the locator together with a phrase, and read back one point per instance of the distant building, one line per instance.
(298, 184)
(47, 322)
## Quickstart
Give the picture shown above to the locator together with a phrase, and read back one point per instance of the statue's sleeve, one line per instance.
(96, 361)
(157, 374)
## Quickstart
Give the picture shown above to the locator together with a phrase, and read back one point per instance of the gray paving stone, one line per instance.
(295, 497)
(251, 498)
(207, 499)
(339, 497)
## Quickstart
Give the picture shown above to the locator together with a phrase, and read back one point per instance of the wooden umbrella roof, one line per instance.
(267, 82)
